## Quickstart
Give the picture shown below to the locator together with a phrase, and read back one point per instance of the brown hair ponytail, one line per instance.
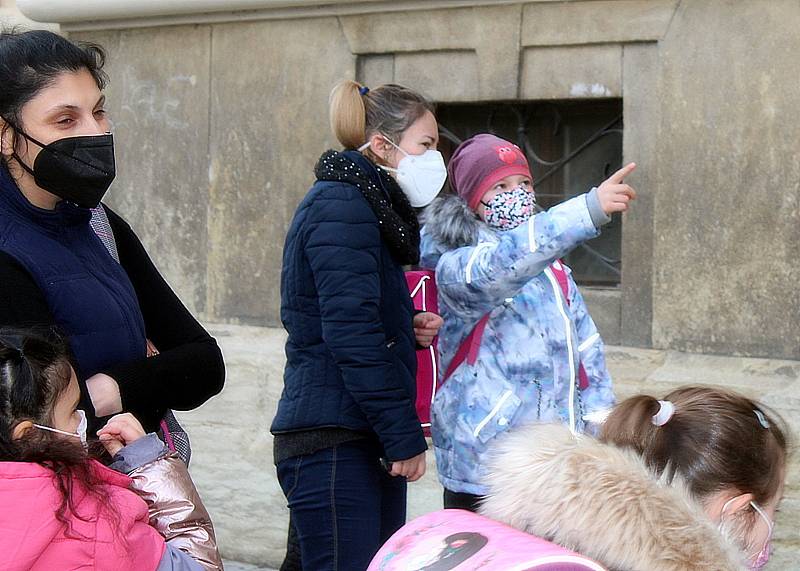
(715, 439)
(357, 112)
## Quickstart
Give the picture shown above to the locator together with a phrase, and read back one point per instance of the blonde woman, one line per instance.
(347, 437)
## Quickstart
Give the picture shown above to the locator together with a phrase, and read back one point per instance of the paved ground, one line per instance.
(237, 566)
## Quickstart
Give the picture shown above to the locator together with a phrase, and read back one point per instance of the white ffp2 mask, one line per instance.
(421, 177)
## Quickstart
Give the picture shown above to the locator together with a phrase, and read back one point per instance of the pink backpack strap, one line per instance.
(468, 350)
(560, 273)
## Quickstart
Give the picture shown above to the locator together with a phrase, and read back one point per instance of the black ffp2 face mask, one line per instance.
(77, 169)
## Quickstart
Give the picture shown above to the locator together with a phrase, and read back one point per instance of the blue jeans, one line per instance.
(343, 504)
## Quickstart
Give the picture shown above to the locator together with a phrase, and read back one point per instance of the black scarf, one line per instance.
(396, 217)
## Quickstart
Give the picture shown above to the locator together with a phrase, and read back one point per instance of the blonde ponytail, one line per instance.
(357, 112)
(348, 114)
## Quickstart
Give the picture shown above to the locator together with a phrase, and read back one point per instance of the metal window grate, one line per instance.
(571, 146)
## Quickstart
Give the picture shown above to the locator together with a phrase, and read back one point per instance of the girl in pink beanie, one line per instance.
(517, 345)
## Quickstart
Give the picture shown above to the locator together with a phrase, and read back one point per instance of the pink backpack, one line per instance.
(422, 285)
(463, 541)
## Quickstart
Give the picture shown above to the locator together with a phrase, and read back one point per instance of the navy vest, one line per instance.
(89, 294)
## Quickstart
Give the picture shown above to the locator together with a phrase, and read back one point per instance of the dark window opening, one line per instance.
(571, 146)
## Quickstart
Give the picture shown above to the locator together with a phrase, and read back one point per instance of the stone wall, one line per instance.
(219, 125)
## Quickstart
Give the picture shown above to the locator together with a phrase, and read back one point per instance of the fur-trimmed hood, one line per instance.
(603, 502)
(447, 224)
(452, 223)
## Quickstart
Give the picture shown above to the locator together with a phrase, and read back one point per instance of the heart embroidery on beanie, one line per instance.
(508, 154)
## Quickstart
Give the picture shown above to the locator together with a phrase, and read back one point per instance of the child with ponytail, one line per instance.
(59, 508)
(688, 482)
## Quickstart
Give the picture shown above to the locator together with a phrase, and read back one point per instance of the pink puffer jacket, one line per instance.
(156, 504)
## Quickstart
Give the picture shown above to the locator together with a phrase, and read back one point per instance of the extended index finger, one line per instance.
(618, 176)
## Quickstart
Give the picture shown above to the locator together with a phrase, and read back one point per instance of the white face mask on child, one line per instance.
(80, 432)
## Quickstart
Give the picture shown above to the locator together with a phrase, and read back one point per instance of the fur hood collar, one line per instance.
(603, 502)
(450, 222)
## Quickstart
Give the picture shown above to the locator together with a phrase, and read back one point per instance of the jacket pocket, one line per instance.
(499, 418)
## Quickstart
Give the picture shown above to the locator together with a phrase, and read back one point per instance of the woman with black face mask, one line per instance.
(101, 290)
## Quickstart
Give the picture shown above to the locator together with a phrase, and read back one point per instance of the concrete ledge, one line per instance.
(118, 14)
(10, 16)
(571, 72)
(596, 22)
(92, 10)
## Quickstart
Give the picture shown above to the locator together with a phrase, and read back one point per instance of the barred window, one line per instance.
(571, 146)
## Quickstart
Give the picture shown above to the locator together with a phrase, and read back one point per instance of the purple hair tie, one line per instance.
(363, 90)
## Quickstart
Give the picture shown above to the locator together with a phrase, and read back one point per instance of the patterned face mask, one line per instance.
(507, 210)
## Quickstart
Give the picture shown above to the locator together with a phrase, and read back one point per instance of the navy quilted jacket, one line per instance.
(350, 352)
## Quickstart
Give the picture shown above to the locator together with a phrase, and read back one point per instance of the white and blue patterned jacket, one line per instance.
(528, 361)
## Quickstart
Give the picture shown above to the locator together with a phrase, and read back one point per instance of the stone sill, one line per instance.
(117, 14)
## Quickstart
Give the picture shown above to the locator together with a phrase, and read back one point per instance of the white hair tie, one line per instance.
(665, 412)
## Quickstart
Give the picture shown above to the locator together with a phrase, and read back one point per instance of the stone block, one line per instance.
(375, 70)
(573, 23)
(438, 42)
(440, 76)
(727, 221)
(158, 102)
(571, 72)
(269, 116)
(411, 31)
(604, 307)
(641, 115)
(497, 37)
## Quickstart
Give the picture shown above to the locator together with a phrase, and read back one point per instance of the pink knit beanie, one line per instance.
(479, 162)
